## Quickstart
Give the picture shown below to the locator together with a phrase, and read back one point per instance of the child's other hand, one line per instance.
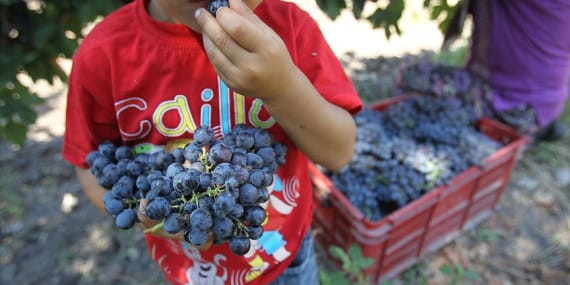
(148, 225)
(248, 55)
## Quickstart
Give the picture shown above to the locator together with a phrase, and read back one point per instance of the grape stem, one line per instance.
(240, 228)
(204, 159)
(156, 228)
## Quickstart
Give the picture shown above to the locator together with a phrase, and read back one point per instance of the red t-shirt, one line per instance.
(148, 84)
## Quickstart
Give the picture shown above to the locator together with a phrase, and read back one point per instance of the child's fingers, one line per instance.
(241, 8)
(221, 48)
(243, 27)
(224, 67)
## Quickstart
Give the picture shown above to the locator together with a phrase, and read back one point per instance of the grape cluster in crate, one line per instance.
(408, 149)
(211, 185)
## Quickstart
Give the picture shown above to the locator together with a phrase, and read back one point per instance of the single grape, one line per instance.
(189, 207)
(257, 177)
(254, 161)
(198, 166)
(254, 232)
(191, 180)
(92, 156)
(247, 194)
(262, 138)
(121, 190)
(158, 208)
(142, 183)
(280, 149)
(101, 162)
(197, 237)
(160, 160)
(110, 175)
(238, 158)
(232, 184)
(174, 223)
(255, 215)
(126, 219)
(123, 152)
(205, 182)
(203, 136)
(152, 193)
(219, 153)
(223, 204)
(201, 219)
(222, 172)
(122, 166)
(223, 227)
(163, 183)
(214, 5)
(192, 152)
(173, 169)
(263, 194)
(153, 174)
(239, 245)
(241, 173)
(178, 155)
(267, 153)
(107, 149)
(113, 206)
(244, 140)
(206, 202)
(268, 178)
(177, 182)
(236, 212)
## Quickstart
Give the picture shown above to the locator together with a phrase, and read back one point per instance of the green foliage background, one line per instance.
(35, 33)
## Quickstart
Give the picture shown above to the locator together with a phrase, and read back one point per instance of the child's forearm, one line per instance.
(91, 187)
(323, 131)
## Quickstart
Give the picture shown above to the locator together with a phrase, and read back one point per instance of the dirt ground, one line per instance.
(51, 234)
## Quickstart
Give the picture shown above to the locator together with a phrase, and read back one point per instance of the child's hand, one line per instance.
(248, 55)
(148, 225)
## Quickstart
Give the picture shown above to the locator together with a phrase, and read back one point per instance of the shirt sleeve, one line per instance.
(90, 114)
(319, 63)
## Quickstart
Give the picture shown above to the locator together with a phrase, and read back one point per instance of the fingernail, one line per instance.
(197, 13)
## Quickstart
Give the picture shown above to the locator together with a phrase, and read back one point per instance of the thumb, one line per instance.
(141, 214)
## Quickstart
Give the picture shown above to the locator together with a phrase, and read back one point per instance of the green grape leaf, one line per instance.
(340, 254)
(446, 269)
(354, 251)
(339, 278)
(471, 274)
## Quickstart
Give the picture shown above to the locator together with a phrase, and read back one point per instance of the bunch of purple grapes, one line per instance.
(211, 186)
(407, 150)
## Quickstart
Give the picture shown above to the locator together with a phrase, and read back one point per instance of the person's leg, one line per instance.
(303, 269)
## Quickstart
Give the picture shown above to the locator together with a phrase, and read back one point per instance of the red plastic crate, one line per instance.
(405, 236)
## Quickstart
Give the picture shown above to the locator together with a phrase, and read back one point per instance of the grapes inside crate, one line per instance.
(424, 171)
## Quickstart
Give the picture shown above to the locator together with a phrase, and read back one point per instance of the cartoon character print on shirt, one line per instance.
(271, 247)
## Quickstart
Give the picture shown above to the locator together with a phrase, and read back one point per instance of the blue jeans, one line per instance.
(303, 270)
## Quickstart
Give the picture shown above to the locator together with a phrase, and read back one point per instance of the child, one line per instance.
(153, 71)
